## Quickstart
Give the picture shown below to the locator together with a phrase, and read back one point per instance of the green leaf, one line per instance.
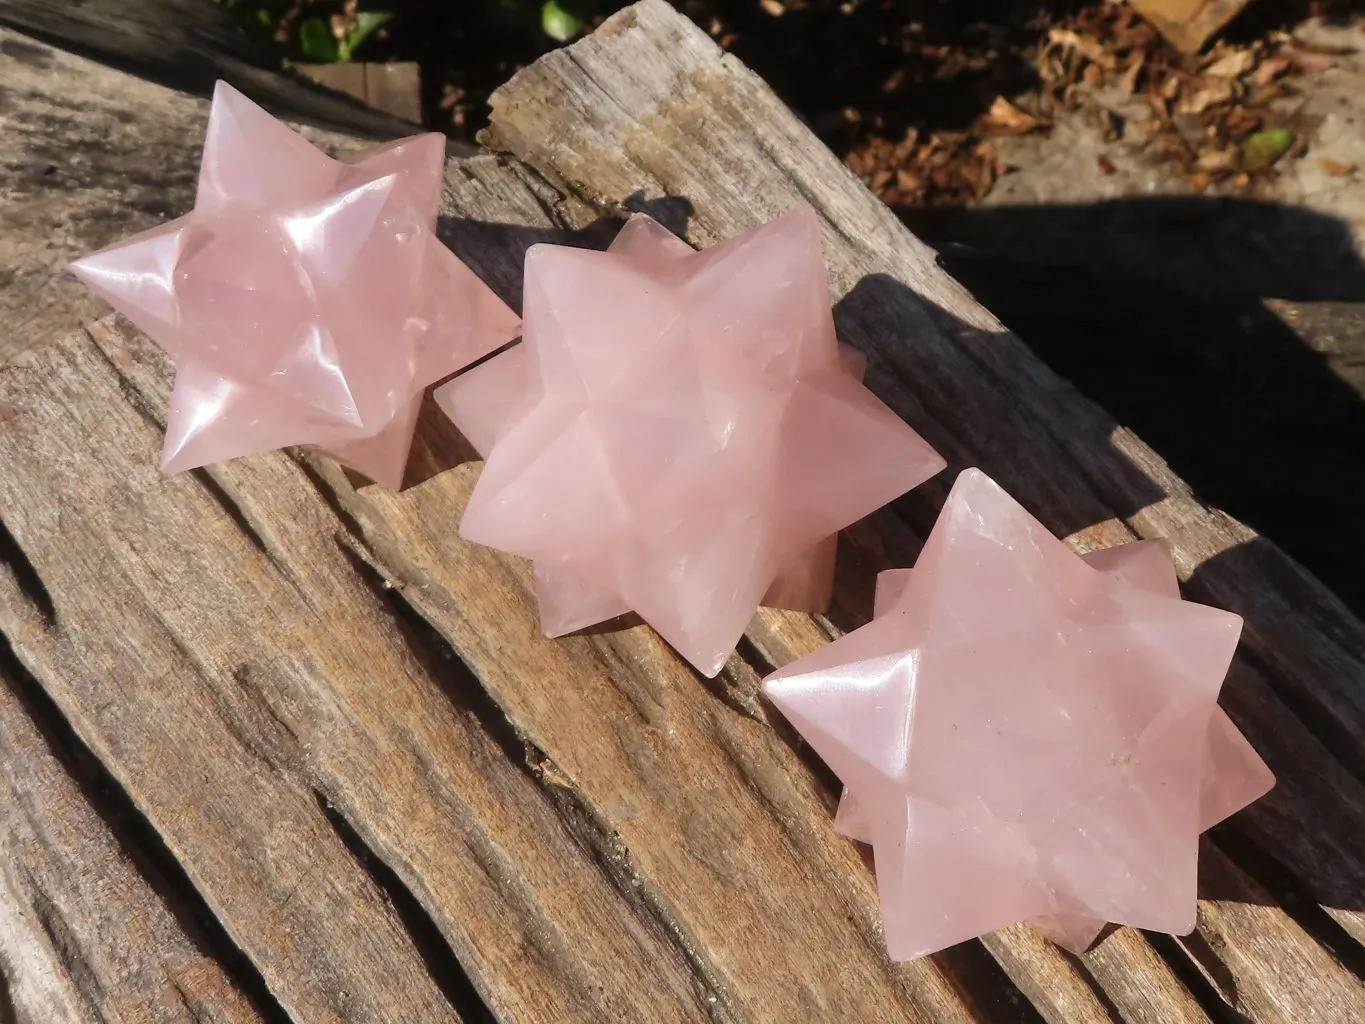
(264, 18)
(317, 42)
(366, 23)
(1264, 148)
(559, 24)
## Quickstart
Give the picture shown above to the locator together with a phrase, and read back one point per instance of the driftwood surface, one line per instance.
(311, 749)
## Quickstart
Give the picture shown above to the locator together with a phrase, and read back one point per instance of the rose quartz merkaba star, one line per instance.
(305, 300)
(679, 434)
(1026, 734)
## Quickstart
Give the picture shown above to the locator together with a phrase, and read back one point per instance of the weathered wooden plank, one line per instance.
(223, 760)
(1259, 962)
(84, 935)
(184, 45)
(662, 822)
(395, 88)
(718, 819)
(648, 105)
(669, 809)
(242, 675)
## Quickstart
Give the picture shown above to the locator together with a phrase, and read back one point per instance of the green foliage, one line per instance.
(1265, 147)
(318, 43)
(542, 23)
(559, 24)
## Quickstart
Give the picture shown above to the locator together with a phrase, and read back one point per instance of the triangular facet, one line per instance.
(253, 161)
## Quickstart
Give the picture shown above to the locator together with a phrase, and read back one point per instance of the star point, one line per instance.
(304, 299)
(1025, 734)
(679, 433)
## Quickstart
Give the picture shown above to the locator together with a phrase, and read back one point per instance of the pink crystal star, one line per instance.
(679, 433)
(305, 300)
(1025, 734)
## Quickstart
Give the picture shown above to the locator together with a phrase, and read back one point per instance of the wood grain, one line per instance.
(84, 932)
(402, 802)
(244, 678)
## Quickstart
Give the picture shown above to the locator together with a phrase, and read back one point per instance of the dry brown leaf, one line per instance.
(1241, 122)
(1231, 65)
(1337, 168)
(1004, 118)
(1209, 96)
(1087, 46)
(1269, 70)
(909, 182)
(1217, 160)
(1130, 77)
(1310, 62)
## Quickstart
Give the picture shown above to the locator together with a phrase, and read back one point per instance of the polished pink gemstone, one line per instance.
(1025, 734)
(679, 434)
(305, 300)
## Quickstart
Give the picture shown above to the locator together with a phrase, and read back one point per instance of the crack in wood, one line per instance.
(129, 390)
(1212, 1001)
(234, 511)
(577, 814)
(138, 838)
(984, 982)
(217, 482)
(611, 854)
(1292, 896)
(736, 686)
(66, 945)
(442, 963)
(22, 588)
(9, 1014)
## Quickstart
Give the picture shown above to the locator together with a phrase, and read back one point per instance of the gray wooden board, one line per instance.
(401, 802)
(186, 45)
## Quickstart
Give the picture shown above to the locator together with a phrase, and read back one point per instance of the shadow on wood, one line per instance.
(1154, 308)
